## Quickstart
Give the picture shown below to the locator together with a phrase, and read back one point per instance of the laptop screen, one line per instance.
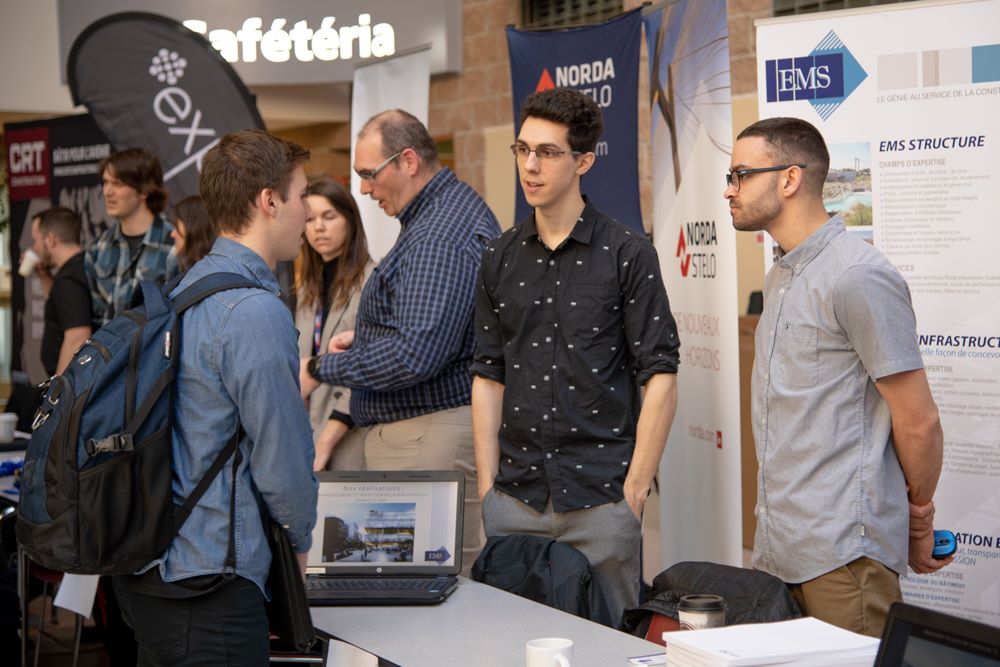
(918, 637)
(388, 523)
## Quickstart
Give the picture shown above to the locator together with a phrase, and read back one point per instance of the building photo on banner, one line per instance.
(911, 112)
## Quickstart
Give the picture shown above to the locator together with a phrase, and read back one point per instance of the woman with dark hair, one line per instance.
(193, 233)
(332, 269)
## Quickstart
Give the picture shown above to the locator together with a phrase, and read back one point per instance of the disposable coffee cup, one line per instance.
(8, 422)
(29, 260)
(549, 652)
(696, 612)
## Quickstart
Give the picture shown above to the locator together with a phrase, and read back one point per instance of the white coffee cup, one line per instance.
(697, 612)
(8, 422)
(549, 652)
(29, 260)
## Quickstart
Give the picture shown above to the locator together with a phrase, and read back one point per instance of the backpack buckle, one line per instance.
(41, 416)
(119, 442)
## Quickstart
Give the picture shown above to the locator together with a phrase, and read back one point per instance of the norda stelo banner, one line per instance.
(601, 61)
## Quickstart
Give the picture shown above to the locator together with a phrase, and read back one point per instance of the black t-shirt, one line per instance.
(68, 306)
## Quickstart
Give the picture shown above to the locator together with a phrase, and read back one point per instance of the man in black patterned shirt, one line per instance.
(574, 386)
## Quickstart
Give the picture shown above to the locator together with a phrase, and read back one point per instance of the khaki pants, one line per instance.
(437, 441)
(856, 596)
(349, 454)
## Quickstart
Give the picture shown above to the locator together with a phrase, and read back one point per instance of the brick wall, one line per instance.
(463, 105)
(743, 42)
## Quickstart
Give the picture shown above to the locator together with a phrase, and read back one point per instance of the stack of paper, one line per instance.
(803, 642)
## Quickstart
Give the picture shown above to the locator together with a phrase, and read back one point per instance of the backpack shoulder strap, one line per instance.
(209, 285)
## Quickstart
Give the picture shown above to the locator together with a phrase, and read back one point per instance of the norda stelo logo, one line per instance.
(697, 261)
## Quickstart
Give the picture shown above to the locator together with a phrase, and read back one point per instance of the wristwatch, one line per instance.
(313, 367)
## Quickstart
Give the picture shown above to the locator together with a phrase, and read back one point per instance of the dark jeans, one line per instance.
(225, 627)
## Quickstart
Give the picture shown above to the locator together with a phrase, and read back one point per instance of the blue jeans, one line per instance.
(225, 627)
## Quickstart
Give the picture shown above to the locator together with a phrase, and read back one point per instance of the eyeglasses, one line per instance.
(733, 178)
(370, 174)
(521, 152)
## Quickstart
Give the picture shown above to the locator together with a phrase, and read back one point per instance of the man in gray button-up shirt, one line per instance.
(848, 437)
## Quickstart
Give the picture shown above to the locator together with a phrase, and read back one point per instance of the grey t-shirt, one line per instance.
(837, 316)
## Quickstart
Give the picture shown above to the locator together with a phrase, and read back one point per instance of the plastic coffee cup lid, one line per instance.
(701, 603)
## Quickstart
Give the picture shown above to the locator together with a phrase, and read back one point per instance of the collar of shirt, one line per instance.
(250, 260)
(807, 251)
(583, 230)
(68, 265)
(157, 235)
(415, 207)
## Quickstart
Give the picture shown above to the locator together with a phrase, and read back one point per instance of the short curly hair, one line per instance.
(578, 112)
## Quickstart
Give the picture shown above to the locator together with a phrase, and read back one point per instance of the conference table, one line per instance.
(11, 452)
(478, 625)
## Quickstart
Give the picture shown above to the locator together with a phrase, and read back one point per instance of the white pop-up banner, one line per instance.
(908, 99)
(400, 82)
(694, 237)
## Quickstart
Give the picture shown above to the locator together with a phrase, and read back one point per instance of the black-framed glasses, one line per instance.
(733, 177)
(521, 152)
(370, 174)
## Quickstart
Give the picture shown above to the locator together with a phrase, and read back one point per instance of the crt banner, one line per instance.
(51, 162)
(601, 61)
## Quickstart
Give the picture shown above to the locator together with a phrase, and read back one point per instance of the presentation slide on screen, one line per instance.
(911, 113)
(389, 524)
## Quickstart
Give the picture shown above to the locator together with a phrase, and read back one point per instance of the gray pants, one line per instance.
(608, 535)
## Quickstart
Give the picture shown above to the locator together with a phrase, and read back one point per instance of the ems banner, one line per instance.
(911, 113)
(601, 61)
(688, 43)
(149, 81)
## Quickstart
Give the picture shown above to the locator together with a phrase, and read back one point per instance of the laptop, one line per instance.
(386, 538)
(919, 637)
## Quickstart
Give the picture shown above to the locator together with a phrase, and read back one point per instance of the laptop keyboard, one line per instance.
(370, 584)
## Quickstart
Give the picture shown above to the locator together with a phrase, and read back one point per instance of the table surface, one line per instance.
(478, 625)
(7, 482)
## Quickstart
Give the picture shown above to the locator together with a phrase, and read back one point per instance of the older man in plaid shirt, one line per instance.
(137, 246)
(408, 365)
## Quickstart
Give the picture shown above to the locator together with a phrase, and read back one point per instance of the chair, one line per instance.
(751, 597)
(543, 570)
(50, 579)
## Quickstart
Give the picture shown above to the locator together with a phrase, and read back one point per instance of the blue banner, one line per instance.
(601, 61)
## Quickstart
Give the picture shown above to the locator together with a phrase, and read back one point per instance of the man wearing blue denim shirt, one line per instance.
(238, 366)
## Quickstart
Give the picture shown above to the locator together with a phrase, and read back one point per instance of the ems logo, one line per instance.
(825, 77)
(544, 81)
(697, 263)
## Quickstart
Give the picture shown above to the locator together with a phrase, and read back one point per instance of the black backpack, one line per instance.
(96, 493)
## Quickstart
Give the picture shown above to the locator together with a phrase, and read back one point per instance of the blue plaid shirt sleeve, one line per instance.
(431, 323)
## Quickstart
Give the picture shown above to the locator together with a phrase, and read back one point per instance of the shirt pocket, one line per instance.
(799, 354)
(589, 312)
